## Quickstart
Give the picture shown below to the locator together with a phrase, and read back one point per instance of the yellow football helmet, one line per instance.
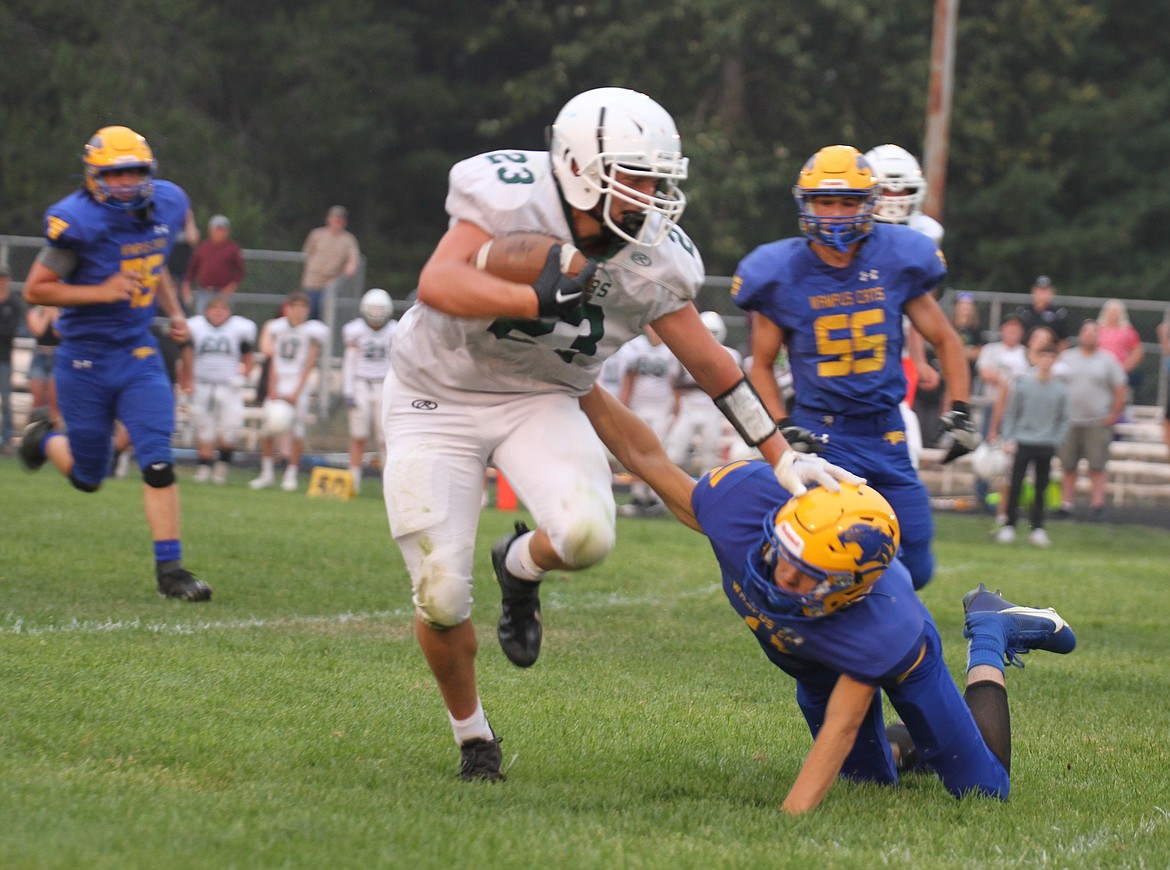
(112, 148)
(844, 540)
(836, 170)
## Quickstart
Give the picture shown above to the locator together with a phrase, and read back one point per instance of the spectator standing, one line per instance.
(1120, 338)
(1035, 422)
(216, 267)
(1043, 313)
(998, 363)
(367, 360)
(11, 317)
(185, 243)
(222, 345)
(1097, 386)
(331, 252)
(42, 326)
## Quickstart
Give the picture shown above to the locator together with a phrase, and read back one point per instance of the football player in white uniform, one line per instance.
(293, 343)
(488, 370)
(901, 192)
(222, 345)
(363, 371)
(699, 422)
(649, 370)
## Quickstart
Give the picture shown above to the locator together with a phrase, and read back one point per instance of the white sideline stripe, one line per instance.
(567, 601)
(17, 624)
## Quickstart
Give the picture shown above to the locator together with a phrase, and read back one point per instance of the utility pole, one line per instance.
(938, 108)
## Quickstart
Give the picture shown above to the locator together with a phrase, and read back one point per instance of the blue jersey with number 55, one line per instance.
(106, 241)
(842, 326)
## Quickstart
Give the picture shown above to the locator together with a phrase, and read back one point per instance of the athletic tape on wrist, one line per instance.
(744, 409)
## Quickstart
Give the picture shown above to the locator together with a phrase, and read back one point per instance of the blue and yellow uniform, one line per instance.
(886, 639)
(108, 365)
(843, 331)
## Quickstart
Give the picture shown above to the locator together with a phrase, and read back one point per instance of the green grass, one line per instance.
(292, 722)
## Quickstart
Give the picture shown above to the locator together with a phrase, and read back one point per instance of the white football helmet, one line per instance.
(715, 325)
(990, 463)
(376, 307)
(901, 184)
(279, 416)
(607, 131)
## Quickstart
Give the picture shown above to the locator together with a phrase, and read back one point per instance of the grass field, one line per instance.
(292, 722)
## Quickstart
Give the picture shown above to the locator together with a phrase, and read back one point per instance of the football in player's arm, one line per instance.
(816, 580)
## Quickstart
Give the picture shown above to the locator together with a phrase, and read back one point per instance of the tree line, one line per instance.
(271, 112)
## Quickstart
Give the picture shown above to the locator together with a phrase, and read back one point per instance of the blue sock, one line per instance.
(168, 551)
(988, 642)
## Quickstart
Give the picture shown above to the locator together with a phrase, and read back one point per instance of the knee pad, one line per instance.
(441, 600)
(159, 475)
(82, 485)
(587, 541)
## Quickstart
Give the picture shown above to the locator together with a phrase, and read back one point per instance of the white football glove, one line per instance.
(795, 471)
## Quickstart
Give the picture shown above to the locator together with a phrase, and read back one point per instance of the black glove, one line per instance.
(800, 439)
(957, 422)
(557, 294)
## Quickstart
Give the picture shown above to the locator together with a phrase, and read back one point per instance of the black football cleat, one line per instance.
(481, 761)
(175, 581)
(38, 426)
(520, 630)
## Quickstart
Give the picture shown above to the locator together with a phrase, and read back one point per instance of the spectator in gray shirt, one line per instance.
(1035, 422)
(1096, 387)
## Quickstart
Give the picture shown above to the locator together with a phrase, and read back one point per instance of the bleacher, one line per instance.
(1138, 467)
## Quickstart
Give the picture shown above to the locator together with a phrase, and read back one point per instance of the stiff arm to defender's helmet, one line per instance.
(836, 170)
(117, 148)
(843, 540)
(606, 131)
(376, 307)
(901, 184)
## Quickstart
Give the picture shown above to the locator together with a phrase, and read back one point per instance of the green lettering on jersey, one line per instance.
(510, 174)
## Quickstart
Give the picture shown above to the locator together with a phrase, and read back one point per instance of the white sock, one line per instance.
(355, 474)
(473, 727)
(266, 466)
(519, 561)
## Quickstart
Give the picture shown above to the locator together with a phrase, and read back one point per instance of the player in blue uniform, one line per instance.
(835, 298)
(105, 267)
(816, 579)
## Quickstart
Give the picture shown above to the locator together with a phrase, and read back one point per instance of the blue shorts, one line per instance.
(97, 384)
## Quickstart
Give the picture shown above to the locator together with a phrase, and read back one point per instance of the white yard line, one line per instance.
(562, 600)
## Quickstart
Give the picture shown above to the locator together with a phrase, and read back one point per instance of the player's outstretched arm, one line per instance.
(637, 448)
(848, 705)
